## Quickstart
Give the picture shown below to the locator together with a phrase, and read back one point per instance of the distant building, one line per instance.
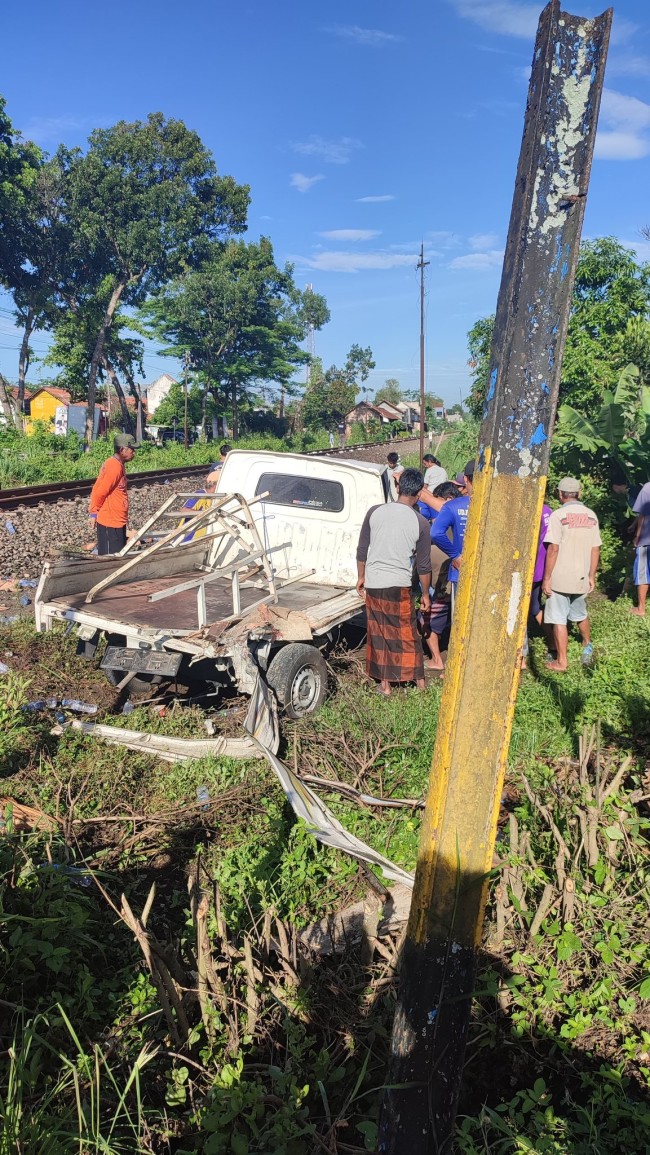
(59, 412)
(363, 414)
(158, 390)
(390, 411)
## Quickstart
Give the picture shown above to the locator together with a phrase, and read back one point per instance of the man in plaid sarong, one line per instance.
(392, 537)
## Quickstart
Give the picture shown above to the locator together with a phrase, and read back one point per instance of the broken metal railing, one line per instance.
(218, 512)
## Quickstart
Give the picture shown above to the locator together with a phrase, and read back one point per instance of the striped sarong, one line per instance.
(393, 647)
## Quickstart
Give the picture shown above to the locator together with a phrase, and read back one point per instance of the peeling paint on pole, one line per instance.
(473, 736)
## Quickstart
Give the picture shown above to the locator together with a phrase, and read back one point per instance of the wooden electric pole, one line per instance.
(421, 265)
(444, 932)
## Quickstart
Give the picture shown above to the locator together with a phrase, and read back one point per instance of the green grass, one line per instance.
(558, 1062)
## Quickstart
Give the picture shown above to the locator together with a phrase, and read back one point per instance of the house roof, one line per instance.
(60, 394)
(388, 407)
(366, 405)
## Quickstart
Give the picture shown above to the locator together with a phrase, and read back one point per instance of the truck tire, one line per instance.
(298, 676)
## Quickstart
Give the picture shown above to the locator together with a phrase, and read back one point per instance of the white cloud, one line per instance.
(350, 234)
(331, 151)
(624, 132)
(627, 64)
(375, 200)
(482, 241)
(356, 262)
(505, 16)
(303, 183)
(492, 259)
(640, 247)
(368, 37)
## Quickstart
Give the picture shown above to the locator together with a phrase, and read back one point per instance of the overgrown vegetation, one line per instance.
(192, 1018)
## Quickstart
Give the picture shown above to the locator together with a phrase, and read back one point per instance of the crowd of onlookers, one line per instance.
(416, 542)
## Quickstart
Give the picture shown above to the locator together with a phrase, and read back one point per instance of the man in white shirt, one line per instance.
(573, 540)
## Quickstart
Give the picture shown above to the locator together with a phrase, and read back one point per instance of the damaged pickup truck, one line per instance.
(258, 575)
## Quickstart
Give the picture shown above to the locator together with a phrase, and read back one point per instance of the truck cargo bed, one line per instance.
(129, 602)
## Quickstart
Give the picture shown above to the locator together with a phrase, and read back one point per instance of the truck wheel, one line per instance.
(298, 675)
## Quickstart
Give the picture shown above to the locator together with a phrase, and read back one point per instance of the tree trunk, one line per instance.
(281, 406)
(137, 397)
(235, 413)
(127, 420)
(6, 407)
(204, 411)
(96, 360)
(23, 360)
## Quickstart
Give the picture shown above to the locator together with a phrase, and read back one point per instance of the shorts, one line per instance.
(110, 539)
(535, 600)
(563, 608)
(642, 566)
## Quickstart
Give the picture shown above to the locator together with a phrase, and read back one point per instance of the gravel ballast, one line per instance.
(43, 531)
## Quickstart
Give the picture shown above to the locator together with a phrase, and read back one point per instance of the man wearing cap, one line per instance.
(573, 540)
(109, 500)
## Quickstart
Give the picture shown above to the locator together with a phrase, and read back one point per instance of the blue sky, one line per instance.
(361, 128)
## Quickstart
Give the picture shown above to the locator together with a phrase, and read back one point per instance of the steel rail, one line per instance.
(50, 493)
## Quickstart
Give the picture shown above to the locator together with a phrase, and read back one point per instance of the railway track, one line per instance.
(30, 495)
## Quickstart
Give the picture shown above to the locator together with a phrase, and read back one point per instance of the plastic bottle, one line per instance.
(25, 601)
(40, 704)
(4, 668)
(10, 527)
(60, 717)
(128, 707)
(78, 707)
(27, 584)
(203, 797)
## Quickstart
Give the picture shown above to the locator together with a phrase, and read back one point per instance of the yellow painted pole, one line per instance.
(473, 736)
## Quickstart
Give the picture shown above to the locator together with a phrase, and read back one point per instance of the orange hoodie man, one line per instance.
(109, 500)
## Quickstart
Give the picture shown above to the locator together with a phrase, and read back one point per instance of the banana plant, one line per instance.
(620, 431)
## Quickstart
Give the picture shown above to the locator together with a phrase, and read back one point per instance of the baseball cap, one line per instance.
(460, 479)
(469, 468)
(125, 441)
(569, 485)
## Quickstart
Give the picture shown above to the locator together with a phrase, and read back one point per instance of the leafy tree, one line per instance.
(75, 333)
(240, 318)
(20, 162)
(331, 396)
(479, 341)
(172, 407)
(390, 391)
(147, 199)
(608, 328)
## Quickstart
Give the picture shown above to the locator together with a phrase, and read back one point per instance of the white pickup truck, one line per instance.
(257, 576)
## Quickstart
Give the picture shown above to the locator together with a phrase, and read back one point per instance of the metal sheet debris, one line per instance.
(325, 827)
(169, 749)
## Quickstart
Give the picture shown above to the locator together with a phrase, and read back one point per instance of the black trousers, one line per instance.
(110, 540)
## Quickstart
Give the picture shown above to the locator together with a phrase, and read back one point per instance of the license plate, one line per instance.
(141, 661)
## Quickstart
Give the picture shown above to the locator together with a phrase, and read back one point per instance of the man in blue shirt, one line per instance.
(453, 516)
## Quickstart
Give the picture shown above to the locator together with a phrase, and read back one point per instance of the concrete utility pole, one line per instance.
(457, 843)
(421, 265)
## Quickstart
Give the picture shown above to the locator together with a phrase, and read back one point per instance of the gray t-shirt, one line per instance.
(391, 537)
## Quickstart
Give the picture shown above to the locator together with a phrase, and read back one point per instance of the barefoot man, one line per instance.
(573, 540)
(642, 546)
(392, 538)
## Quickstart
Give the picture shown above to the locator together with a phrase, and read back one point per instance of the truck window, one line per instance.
(310, 492)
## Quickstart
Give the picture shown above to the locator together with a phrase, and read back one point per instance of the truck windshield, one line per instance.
(310, 492)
